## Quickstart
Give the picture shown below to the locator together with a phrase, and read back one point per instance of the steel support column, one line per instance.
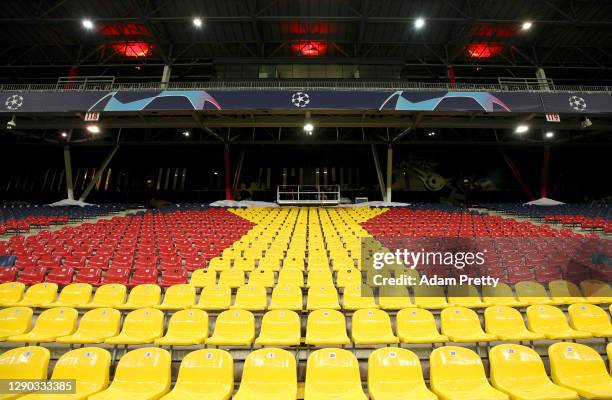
(545, 166)
(517, 175)
(389, 173)
(166, 76)
(379, 174)
(99, 173)
(451, 75)
(228, 187)
(68, 168)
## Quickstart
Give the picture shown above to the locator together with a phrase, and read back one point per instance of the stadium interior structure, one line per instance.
(194, 197)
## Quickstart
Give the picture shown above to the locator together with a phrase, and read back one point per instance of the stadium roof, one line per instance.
(570, 39)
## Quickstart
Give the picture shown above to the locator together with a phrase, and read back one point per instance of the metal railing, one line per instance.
(308, 194)
(86, 84)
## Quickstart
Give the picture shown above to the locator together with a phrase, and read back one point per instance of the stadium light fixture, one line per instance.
(308, 128)
(431, 134)
(197, 22)
(186, 133)
(549, 135)
(87, 23)
(64, 134)
(93, 128)
(526, 25)
(521, 129)
(419, 23)
(12, 124)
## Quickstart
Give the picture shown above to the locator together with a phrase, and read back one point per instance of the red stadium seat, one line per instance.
(117, 275)
(173, 277)
(61, 276)
(8, 274)
(31, 276)
(144, 276)
(89, 275)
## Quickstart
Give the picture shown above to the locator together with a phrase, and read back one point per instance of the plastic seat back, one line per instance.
(38, 294)
(459, 320)
(452, 367)
(589, 318)
(394, 368)
(431, 296)
(74, 295)
(141, 296)
(516, 367)
(110, 295)
(326, 327)
(55, 322)
(532, 293)
(234, 326)
(147, 368)
(232, 278)
(203, 277)
(596, 291)
(143, 322)
(288, 297)
(578, 366)
(99, 322)
(322, 297)
(501, 295)
(356, 297)
(11, 293)
(372, 325)
(320, 277)
(89, 366)
(14, 321)
(188, 324)
(332, 372)
(544, 318)
(348, 277)
(25, 363)
(268, 372)
(206, 372)
(291, 277)
(178, 297)
(415, 321)
(280, 327)
(262, 277)
(500, 320)
(565, 292)
(215, 297)
(251, 297)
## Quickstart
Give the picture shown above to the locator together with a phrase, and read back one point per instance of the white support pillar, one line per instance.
(389, 173)
(99, 173)
(542, 79)
(166, 76)
(68, 168)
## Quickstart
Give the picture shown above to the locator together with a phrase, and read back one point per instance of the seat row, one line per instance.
(284, 327)
(255, 297)
(455, 373)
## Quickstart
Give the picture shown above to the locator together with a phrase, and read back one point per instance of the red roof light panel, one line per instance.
(484, 50)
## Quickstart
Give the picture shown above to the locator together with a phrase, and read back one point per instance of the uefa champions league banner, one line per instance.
(401, 100)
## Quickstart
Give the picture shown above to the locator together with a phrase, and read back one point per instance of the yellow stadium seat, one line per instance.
(372, 326)
(596, 291)
(507, 324)
(178, 297)
(500, 295)
(326, 327)
(232, 278)
(219, 263)
(24, 363)
(609, 352)
(186, 327)
(565, 292)
(270, 262)
(333, 374)
(429, 297)
(95, 326)
(348, 277)
(322, 297)
(50, 324)
(142, 374)
(262, 277)
(464, 296)
(280, 328)
(320, 277)
(590, 318)
(73, 295)
(14, 321)
(551, 322)
(251, 297)
(38, 294)
(215, 297)
(244, 264)
(394, 374)
(532, 293)
(519, 372)
(457, 373)
(462, 324)
(394, 298)
(418, 326)
(11, 293)
(286, 297)
(88, 366)
(291, 277)
(203, 277)
(357, 297)
(142, 296)
(580, 368)
(139, 327)
(110, 295)
(293, 263)
(268, 374)
(233, 328)
(204, 374)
